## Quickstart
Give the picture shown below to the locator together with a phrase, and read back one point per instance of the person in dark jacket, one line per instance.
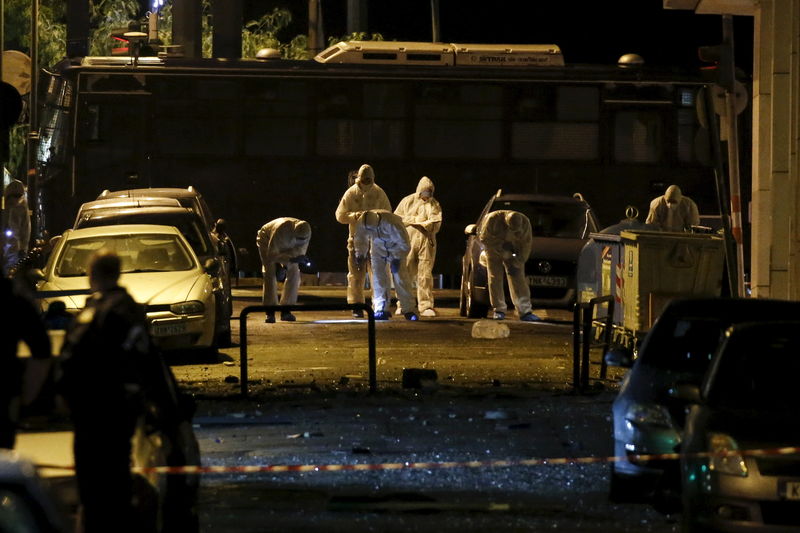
(103, 380)
(21, 323)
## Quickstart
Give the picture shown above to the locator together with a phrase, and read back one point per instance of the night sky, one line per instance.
(587, 32)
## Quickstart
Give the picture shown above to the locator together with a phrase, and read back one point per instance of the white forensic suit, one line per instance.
(507, 239)
(280, 241)
(16, 224)
(383, 235)
(422, 216)
(360, 197)
(673, 211)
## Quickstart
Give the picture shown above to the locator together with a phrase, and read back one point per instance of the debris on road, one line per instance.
(419, 378)
(304, 435)
(490, 329)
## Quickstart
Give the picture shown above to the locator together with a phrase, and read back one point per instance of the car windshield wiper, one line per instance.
(141, 270)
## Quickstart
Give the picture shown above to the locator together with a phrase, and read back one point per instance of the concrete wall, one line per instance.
(775, 261)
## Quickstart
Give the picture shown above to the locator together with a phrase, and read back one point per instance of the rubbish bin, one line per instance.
(660, 266)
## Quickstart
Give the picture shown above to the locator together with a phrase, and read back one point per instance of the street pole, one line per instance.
(356, 16)
(314, 27)
(733, 151)
(33, 134)
(435, 35)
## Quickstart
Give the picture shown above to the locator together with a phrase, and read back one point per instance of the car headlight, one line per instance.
(188, 308)
(643, 414)
(725, 456)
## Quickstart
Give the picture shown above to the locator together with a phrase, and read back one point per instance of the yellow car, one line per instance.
(159, 269)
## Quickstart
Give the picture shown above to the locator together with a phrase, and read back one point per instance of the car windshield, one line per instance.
(758, 370)
(138, 253)
(684, 345)
(551, 219)
(189, 226)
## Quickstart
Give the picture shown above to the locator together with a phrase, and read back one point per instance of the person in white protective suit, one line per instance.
(16, 224)
(507, 239)
(422, 216)
(383, 234)
(673, 211)
(362, 196)
(282, 241)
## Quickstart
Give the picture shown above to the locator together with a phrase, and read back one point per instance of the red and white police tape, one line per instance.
(496, 463)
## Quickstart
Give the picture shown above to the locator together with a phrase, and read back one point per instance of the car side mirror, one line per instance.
(619, 356)
(471, 229)
(211, 266)
(219, 226)
(687, 392)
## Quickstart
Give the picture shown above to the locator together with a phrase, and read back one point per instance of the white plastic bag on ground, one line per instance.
(490, 329)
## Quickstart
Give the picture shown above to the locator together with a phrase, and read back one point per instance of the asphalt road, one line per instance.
(507, 399)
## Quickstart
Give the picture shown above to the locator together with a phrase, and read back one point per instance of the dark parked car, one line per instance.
(25, 503)
(190, 224)
(647, 419)
(747, 403)
(191, 199)
(561, 226)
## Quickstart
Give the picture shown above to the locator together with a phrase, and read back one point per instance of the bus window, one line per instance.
(556, 123)
(638, 136)
(452, 120)
(189, 128)
(275, 120)
(358, 119)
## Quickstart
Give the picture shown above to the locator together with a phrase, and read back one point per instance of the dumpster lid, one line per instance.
(605, 237)
(636, 235)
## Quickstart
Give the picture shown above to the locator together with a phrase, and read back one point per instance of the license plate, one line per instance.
(547, 281)
(789, 490)
(165, 330)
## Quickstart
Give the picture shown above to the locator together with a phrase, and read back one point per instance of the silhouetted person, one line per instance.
(21, 323)
(57, 316)
(102, 382)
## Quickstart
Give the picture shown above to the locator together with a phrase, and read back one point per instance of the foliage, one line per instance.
(356, 36)
(256, 34)
(52, 34)
(106, 17)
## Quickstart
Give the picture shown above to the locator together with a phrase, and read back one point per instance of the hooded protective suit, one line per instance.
(16, 224)
(673, 211)
(361, 196)
(422, 216)
(280, 241)
(507, 239)
(383, 234)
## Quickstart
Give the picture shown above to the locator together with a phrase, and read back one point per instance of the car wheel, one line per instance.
(224, 338)
(474, 309)
(625, 489)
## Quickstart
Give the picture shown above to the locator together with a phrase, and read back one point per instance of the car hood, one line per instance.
(149, 288)
(556, 249)
(754, 429)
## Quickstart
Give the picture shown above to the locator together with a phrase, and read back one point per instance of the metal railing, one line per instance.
(306, 307)
(582, 322)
